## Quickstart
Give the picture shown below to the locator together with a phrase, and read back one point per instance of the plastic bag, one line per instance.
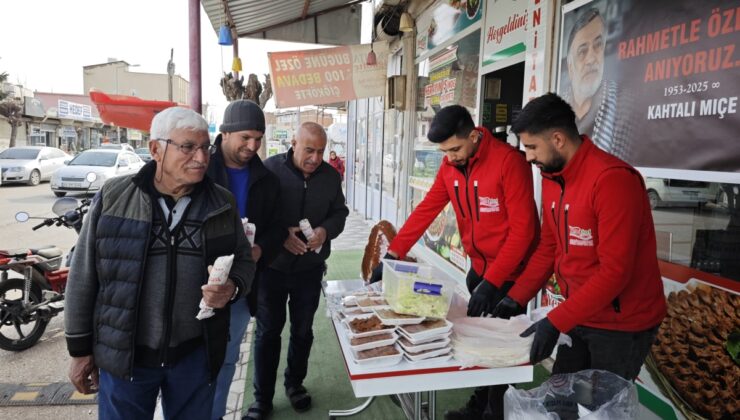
(588, 394)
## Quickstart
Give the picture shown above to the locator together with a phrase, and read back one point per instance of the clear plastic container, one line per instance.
(416, 289)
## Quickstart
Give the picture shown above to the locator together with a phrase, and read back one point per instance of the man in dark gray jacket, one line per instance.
(237, 166)
(139, 272)
(310, 189)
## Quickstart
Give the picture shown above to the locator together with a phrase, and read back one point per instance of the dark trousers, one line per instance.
(489, 399)
(185, 387)
(619, 352)
(301, 291)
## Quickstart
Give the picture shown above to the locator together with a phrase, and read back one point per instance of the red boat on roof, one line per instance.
(128, 111)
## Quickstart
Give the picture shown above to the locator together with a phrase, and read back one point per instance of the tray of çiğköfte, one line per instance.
(690, 359)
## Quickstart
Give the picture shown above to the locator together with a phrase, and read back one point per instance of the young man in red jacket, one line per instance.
(599, 240)
(490, 186)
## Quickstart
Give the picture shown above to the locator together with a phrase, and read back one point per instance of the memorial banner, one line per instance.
(656, 82)
(327, 75)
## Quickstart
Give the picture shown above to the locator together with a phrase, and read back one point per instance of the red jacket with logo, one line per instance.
(494, 206)
(599, 239)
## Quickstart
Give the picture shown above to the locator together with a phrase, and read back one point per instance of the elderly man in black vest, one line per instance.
(139, 273)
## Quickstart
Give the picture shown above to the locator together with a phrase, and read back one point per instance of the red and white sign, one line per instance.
(537, 57)
(327, 75)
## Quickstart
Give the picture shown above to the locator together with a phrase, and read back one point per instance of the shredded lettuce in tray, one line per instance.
(411, 303)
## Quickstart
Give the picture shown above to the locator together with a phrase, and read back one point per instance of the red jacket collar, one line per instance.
(576, 162)
(483, 146)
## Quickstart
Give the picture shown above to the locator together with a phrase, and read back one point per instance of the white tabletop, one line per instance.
(406, 377)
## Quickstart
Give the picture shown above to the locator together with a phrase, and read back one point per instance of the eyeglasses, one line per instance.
(190, 148)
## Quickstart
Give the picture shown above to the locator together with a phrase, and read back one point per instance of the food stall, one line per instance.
(399, 340)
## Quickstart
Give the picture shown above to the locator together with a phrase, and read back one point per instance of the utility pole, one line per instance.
(194, 48)
(170, 74)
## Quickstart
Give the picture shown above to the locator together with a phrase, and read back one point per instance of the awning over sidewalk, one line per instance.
(127, 111)
(331, 22)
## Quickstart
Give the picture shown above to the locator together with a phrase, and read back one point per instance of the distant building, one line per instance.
(115, 78)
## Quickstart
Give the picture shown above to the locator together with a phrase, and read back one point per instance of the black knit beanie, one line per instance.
(243, 115)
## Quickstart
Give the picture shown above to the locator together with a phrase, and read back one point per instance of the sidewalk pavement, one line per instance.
(354, 237)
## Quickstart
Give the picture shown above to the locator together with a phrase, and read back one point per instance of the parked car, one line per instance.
(664, 192)
(105, 163)
(144, 154)
(117, 146)
(31, 164)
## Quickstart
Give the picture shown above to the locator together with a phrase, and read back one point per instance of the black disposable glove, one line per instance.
(507, 308)
(545, 338)
(484, 299)
(377, 274)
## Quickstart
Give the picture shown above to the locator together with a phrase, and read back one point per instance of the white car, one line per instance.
(664, 192)
(105, 163)
(31, 164)
(117, 146)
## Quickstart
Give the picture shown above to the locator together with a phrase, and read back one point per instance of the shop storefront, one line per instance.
(661, 88)
(66, 121)
(375, 138)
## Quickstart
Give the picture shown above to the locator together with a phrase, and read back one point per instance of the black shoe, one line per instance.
(473, 410)
(299, 398)
(258, 411)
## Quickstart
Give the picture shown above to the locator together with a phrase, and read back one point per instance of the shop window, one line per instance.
(697, 224)
(449, 77)
(361, 150)
(37, 140)
(392, 150)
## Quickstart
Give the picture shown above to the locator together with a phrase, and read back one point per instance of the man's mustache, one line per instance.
(593, 68)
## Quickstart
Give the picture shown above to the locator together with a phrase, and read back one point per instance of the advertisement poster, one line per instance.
(453, 75)
(327, 75)
(655, 82)
(443, 238)
(504, 31)
(443, 20)
(551, 293)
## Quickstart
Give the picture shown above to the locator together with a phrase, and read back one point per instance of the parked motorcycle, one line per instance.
(27, 304)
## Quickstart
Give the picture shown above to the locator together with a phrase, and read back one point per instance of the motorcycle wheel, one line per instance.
(19, 332)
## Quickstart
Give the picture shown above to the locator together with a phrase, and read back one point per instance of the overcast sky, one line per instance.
(45, 43)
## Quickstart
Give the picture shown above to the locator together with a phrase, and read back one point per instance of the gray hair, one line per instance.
(174, 118)
(584, 19)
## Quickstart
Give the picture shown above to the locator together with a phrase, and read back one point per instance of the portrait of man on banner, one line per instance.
(654, 83)
(596, 98)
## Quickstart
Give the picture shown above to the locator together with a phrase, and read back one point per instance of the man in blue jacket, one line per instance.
(310, 189)
(236, 166)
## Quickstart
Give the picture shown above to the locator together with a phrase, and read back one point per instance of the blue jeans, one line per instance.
(301, 291)
(237, 328)
(186, 393)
